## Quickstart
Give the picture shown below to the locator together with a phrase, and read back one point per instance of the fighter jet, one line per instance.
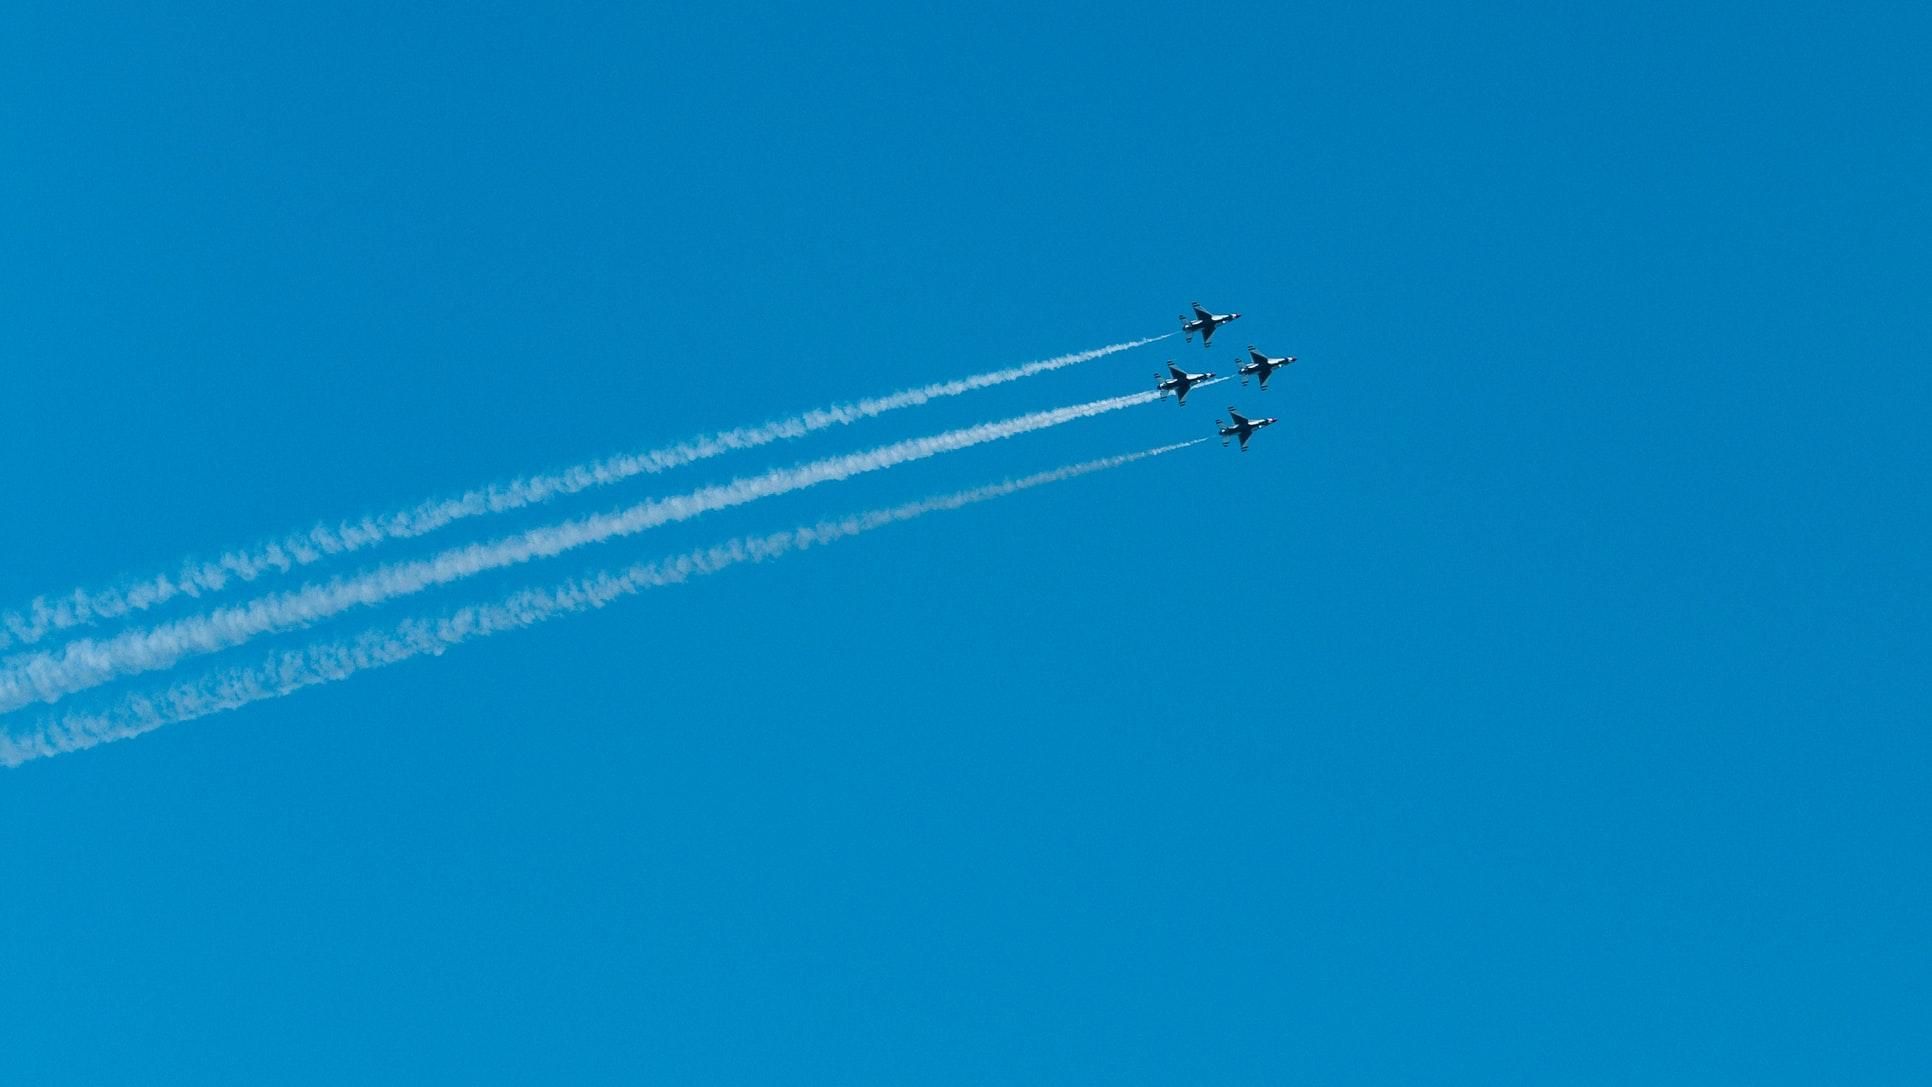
(1205, 323)
(1262, 366)
(1241, 427)
(1180, 383)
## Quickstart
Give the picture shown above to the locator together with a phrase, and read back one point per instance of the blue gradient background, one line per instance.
(1544, 701)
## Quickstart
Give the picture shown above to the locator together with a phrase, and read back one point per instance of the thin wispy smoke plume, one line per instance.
(87, 662)
(82, 607)
(330, 661)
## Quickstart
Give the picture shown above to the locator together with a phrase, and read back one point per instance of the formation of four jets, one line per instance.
(1261, 366)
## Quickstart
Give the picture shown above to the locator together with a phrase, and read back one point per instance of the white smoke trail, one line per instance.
(81, 607)
(86, 662)
(329, 661)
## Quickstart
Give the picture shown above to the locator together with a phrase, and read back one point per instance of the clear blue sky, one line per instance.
(1545, 700)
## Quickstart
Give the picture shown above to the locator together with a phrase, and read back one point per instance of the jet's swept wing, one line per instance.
(1200, 313)
(1236, 417)
(1179, 374)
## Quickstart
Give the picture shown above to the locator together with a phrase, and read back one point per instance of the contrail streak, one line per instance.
(328, 661)
(81, 607)
(86, 663)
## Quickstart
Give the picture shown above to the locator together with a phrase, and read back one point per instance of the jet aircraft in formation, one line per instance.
(1262, 366)
(1180, 383)
(1205, 323)
(1240, 427)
